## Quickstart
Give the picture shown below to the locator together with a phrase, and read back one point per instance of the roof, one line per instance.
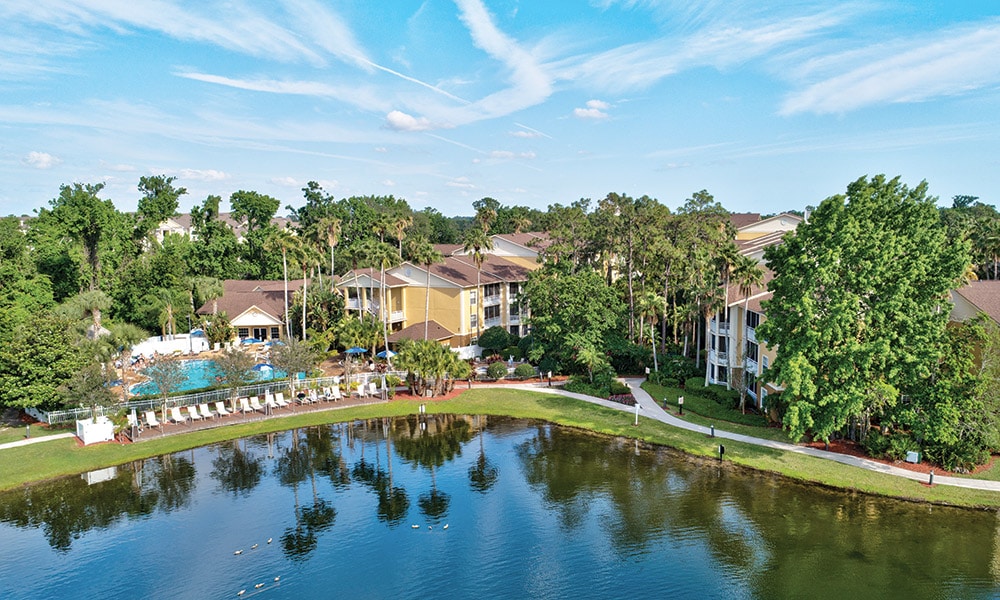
(391, 280)
(740, 220)
(239, 295)
(984, 295)
(748, 247)
(533, 240)
(500, 268)
(757, 292)
(435, 331)
(447, 249)
(238, 227)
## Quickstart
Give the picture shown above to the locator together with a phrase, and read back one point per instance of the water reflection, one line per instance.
(577, 510)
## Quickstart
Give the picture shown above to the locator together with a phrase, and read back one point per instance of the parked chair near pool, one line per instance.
(269, 403)
(151, 419)
(193, 411)
(335, 394)
(220, 408)
(372, 389)
(176, 416)
(256, 405)
(206, 413)
(245, 405)
(279, 399)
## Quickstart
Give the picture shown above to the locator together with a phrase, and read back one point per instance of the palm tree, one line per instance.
(330, 228)
(747, 274)
(424, 253)
(165, 302)
(205, 289)
(400, 223)
(477, 244)
(284, 241)
(306, 257)
(385, 258)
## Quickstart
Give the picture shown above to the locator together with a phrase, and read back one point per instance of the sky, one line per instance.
(769, 106)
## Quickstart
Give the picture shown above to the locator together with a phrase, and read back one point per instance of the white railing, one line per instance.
(514, 320)
(491, 300)
(353, 303)
(396, 315)
(495, 321)
(719, 358)
(752, 334)
(750, 365)
(719, 328)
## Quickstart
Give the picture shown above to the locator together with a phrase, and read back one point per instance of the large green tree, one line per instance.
(39, 358)
(860, 303)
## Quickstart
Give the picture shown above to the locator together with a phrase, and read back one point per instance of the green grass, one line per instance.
(63, 457)
(16, 434)
(705, 407)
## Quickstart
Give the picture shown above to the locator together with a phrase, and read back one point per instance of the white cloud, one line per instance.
(598, 105)
(525, 134)
(400, 121)
(955, 62)
(461, 183)
(388, 183)
(381, 149)
(589, 113)
(40, 160)
(508, 155)
(289, 182)
(203, 174)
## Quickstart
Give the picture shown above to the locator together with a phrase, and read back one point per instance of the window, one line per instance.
(243, 333)
(513, 290)
(275, 333)
(719, 343)
(473, 321)
(492, 289)
(472, 297)
(753, 319)
(515, 309)
(491, 312)
(720, 373)
(515, 330)
(751, 352)
(764, 361)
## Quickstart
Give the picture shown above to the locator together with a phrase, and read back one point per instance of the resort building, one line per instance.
(454, 312)
(256, 309)
(974, 298)
(181, 225)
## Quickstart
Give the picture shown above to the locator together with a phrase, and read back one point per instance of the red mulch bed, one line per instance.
(853, 449)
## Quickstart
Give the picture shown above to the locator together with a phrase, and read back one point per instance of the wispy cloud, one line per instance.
(40, 160)
(461, 183)
(400, 121)
(595, 109)
(952, 62)
(202, 174)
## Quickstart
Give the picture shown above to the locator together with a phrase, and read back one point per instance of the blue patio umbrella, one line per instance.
(386, 354)
(263, 367)
(356, 350)
(251, 341)
(274, 343)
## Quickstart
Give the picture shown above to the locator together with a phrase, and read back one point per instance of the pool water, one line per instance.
(199, 374)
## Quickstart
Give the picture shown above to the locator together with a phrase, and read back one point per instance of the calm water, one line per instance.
(532, 511)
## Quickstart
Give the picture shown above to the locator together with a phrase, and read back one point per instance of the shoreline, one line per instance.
(63, 457)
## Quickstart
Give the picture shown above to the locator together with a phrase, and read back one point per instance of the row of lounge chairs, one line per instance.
(249, 404)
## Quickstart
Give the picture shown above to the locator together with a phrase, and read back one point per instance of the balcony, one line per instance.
(752, 334)
(719, 358)
(514, 319)
(395, 316)
(353, 304)
(494, 322)
(719, 328)
(751, 365)
(491, 300)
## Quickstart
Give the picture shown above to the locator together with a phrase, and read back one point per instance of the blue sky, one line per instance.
(767, 105)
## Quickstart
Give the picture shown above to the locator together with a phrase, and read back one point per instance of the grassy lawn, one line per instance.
(16, 434)
(63, 457)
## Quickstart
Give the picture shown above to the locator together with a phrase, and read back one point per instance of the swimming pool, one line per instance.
(199, 374)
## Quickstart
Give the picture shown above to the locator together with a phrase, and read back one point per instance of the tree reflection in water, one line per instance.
(483, 474)
(430, 442)
(237, 471)
(299, 461)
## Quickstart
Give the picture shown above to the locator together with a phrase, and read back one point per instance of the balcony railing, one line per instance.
(514, 319)
(353, 304)
(719, 358)
(750, 365)
(395, 316)
(719, 328)
(495, 321)
(752, 334)
(491, 300)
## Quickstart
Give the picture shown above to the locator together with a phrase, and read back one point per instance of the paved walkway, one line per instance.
(650, 409)
(35, 440)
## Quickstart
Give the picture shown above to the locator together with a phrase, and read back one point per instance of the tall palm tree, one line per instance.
(477, 243)
(399, 224)
(284, 241)
(205, 289)
(306, 257)
(747, 274)
(331, 227)
(424, 253)
(386, 258)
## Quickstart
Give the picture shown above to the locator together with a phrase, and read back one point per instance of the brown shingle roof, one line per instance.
(435, 331)
(984, 295)
(241, 294)
(743, 219)
(535, 240)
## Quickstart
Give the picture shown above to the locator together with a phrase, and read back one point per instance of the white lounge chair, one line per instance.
(255, 404)
(335, 393)
(372, 389)
(245, 406)
(268, 398)
(206, 413)
(279, 399)
(193, 411)
(151, 419)
(269, 402)
(176, 416)
(220, 407)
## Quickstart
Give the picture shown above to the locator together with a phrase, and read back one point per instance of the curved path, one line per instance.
(650, 409)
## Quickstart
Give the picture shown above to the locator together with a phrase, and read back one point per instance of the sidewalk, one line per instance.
(650, 409)
(36, 440)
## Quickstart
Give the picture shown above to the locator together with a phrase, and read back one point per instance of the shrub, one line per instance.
(510, 351)
(663, 379)
(678, 367)
(627, 357)
(695, 383)
(579, 385)
(391, 381)
(494, 339)
(619, 389)
(549, 363)
(497, 370)
(524, 371)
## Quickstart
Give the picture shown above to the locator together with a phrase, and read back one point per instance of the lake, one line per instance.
(474, 507)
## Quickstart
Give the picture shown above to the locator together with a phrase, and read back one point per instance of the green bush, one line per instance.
(664, 379)
(497, 370)
(494, 339)
(619, 388)
(678, 367)
(510, 351)
(391, 381)
(580, 385)
(524, 371)
(696, 383)
(549, 363)
(627, 357)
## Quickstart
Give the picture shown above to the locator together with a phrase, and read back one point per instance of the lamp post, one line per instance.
(190, 341)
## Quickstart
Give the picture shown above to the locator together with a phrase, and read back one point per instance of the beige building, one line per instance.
(974, 298)
(256, 309)
(455, 313)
